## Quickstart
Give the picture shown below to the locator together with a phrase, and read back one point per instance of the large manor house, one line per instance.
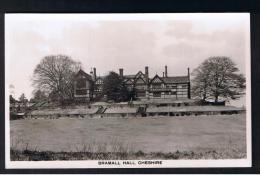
(89, 86)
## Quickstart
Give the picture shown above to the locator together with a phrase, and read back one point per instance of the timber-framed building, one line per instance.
(89, 86)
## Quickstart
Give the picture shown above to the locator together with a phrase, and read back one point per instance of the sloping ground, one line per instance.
(120, 110)
(221, 133)
(193, 109)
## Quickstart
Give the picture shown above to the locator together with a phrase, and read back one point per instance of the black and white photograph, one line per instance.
(127, 90)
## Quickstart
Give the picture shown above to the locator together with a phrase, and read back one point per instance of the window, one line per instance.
(81, 92)
(157, 86)
(140, 94)
(141, 87)
(171, 86)
(157, 94)
(173, 92)
(99, 82)
(81, 83)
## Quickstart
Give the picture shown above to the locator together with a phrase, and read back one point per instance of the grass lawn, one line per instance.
(224, 134)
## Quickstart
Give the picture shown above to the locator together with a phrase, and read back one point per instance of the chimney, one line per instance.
(121, 72)
(163, 74)
(95, 73)
(189, 72)
(189, 95)
(146, 73)
(166, 74)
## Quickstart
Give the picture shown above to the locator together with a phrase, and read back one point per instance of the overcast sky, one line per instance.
(109, 42)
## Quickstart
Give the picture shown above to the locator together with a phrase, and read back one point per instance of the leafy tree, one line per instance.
(55, 74)
(218, 77)
(114, 88)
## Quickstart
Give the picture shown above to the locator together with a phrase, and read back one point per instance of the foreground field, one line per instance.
(194, 135)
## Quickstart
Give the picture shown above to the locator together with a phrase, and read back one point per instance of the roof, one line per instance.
(177, 79)
(158, 78)
(139, 73)
(101, 77)
(129, 76)
(83, 73)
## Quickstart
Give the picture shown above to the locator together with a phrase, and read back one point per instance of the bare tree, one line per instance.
(218, 77)
(55, 74)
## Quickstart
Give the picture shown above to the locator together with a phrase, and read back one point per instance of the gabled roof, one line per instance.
(129, 81)
(157, 77)
(177, 79)
(81, 72)
(140, 73)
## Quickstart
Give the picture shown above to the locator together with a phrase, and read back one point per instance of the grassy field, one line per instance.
(194, 135)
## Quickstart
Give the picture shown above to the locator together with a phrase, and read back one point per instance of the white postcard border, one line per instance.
(165, 163)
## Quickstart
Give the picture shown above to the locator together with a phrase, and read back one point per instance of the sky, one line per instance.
(130, 41)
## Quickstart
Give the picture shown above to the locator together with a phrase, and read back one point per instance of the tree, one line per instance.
(39, 96)
(55, 74)
(12, 99)
(218, 77)
(23, 99)
(114, 88)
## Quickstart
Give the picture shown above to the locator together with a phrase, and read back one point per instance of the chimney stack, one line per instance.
(189, 95)
(121, 72)
(166, 73)
(95, 73)
(189, 72)
(146, 73)
(163, 74)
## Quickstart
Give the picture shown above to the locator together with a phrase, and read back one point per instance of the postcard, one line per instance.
(152, 90)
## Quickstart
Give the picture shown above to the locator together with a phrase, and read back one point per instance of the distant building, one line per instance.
(87, 87)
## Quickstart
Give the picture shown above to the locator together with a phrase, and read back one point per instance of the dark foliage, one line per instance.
(115, 89)
(12, 100)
